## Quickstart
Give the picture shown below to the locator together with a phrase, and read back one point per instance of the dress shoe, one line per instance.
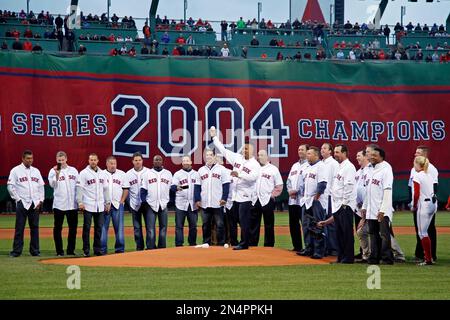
(304, 253)
(316, 256)
(14, 255)
(240, 248)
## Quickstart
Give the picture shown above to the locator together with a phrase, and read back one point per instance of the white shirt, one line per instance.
(157, 184)
(269, 178)
(331, 168)
(313, 175)
(426, 185)
(26, 185)
(380, 180)
(225, 52)
(212, 180)
(185, 197)
(362, 180)
(94, 186)
(117, 181)
(248, 172)
(64, 189)
(135, 182)
(296, 182)
(343, 191)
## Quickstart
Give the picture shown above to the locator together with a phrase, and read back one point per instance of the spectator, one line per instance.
(146, 30)
(132, 52)
(435, 57)
(225, 52)
(419, 55)
(165, 21)
(254, 42)
(28, 33)
(223, 28)
(279, 56)
(343, 45)
(264, 55)
(244, 53)
(180, 40)
(409, 27)
(27, 46)
(22, 15)
(190, 40)
(165, 38)
(175, 52)
(298, 56)
(376, 44)
(113, 52)
(387, 32)
(59, 22)
(144, 49)
(123, 50)
(348, 26)
(111, 38)
(15, 33)
(352, 55)
(273, 42)
(280, 43)
(428, 58)
(307, 56)
(165, 52)
(4, 46)
(119, 38)
(128, 39)
(370, 26)
(114, 19)
(381, 55)
(37, 48)
(70, 37)
(190, 23)
(441, 28)
(425, 28)
(340, 54)
(131, 23)
(240, 25)
(397, 55)
(81, 49)
(180, 26)
(47, 34)
(398, 27)
(418, 28)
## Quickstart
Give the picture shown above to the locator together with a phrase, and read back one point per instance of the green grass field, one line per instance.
(26, 278)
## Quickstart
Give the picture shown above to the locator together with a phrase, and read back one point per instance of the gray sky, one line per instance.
(277, 10)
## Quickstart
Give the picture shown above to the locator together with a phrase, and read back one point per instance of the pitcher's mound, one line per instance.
(187, 257)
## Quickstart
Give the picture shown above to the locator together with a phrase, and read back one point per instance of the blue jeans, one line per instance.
(151, 230)
(117, 219)
(180, 216)
(137, 225)
(332, 243)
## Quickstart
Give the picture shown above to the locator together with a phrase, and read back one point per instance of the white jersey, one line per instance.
(426, 181)
(157, 184)
(314, 174)
(361, 181)
(248, 172)
(94, 189)
(381, 179)
(117, 182)
(26, 185)
(229, 204)
(296, 182)
(269, 178)
(185, 197)
(135, 182)
(331, 168)
(64, 189)
(212, 180)
(343, 191)
(432, 171)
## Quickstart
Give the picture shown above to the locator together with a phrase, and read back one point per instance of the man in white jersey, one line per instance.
(295, 186)
(361, 226)
(245, 173)
(63, 179)
(314, 202)
(118, 186)
(343, 205)
(93, 199)
(331, 167)
(155, 195)
(377, 208)
(215, 188)
(229, 220)
(26, 188)
(399, 256)
(268, 186)
(186, 185)
(138, 210)
(424, 151)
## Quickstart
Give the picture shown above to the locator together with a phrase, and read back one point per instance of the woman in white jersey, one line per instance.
(424, 203)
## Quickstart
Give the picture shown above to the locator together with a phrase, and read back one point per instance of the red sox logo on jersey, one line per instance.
(25, 179)
(216, 175)
(293, 173)
(237, 165)
(376, 182)
(153, 180)
(71, 177)
(117, 181)
(312, 176)
(91, 181)
(265, 175)
(246, 170)
(339, 177)
(166, 181)
(204, 177)
(133, 182)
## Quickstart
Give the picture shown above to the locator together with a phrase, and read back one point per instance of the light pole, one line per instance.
(331, 15)
(28, 7)
(185, 9)
(402, 13)
(290, 11)
(259, 10)
(108, 4)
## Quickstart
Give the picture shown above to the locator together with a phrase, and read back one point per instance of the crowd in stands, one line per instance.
(43, 18)
(189, 25)
(114, 21)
